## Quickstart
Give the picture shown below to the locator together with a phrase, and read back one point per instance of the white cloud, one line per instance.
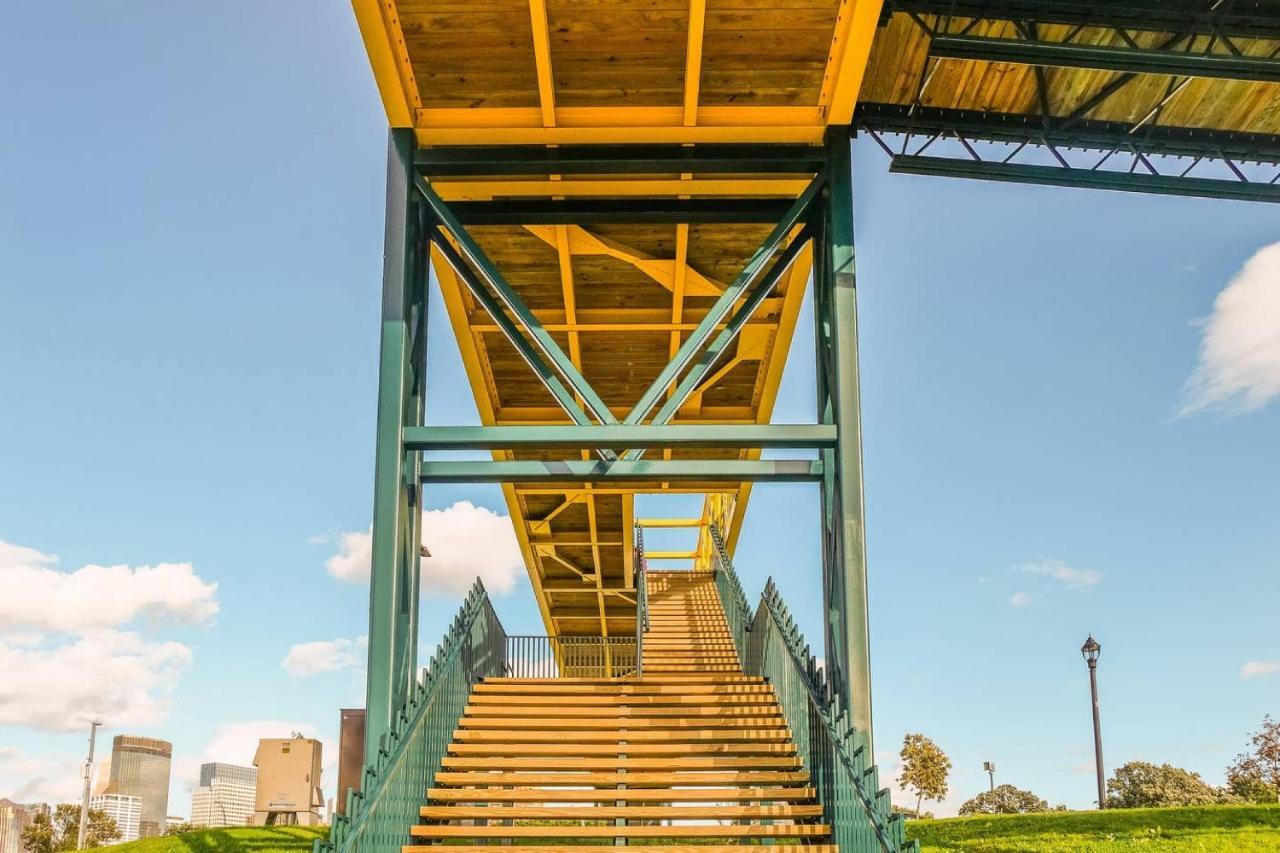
(1258, 668)
(1239, 366)
(1061, 572)
(40, 597)
(1021, 599)
(39, 778)
(115, 676)
(466, 542)
(306, 659)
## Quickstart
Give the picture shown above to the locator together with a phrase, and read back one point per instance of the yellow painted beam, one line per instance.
(625, 135)
(580, 241)
(542, 60)
(384, 42)
(621, 188)
(670, 555)
(596, 118)
(693, 60)
(669, 522)
(847, 60)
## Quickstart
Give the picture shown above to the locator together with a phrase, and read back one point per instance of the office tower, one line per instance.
(224, 796)
(125, 810)
(140, 768)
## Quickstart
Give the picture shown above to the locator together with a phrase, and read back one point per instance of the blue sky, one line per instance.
(190, 249)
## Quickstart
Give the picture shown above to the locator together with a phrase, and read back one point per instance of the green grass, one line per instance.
(242, 839)
(1200, 829)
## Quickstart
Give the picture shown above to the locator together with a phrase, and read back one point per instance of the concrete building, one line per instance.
(101, 777)
(14, 817)
(225, 795)
(288, 791)
(140, 768)
(125, 810)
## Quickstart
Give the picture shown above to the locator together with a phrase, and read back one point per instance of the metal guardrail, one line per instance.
(837, 757)
(641, 574)
(533, 656)
(378, 816)
(736, 610)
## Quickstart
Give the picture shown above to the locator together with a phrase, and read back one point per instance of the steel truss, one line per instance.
(419, 222)
(1047, 148)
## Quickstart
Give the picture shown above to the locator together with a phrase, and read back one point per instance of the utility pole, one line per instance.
(990, 767)
(88, 775)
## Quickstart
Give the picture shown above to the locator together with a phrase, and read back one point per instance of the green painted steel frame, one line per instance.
(394, 575)
(824, 212)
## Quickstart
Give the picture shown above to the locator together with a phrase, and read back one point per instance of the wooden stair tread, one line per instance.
(658, 762)
(654, 778)
(598, 812)
(562, 735)
(616, 748)
(544, 795)
(631, 848)
(768, 830)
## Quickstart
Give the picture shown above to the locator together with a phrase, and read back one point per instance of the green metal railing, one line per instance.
(642, 597)
(736, 610)
(837, 757)
(379, 816)
(541, 656)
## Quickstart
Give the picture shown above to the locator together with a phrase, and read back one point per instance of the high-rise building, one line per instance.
(101, 776)
(13, 819)
(125, 810)
(288, 782)
(224, 796)
(140, 768)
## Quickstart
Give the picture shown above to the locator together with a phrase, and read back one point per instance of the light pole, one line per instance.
(84, 800)
(1090, 650)
(990, 767)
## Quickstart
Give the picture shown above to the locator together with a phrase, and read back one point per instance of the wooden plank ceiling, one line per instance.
(901, 72)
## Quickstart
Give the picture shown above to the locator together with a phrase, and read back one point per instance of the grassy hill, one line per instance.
(1207, 829)
(243, 839)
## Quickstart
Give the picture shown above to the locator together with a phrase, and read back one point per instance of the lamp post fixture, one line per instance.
(1090, 650)
(990, 767)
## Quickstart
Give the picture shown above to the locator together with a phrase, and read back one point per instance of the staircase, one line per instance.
(691, 753)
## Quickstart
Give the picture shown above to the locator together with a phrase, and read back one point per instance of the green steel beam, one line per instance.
(393, 581)
(724, 159)
(846, 627)
(549, 378)
(541, 338)
(1225, 66)
(1019, 173)
(427, 438)
(624, 471)
(723, 305)
(707, 360)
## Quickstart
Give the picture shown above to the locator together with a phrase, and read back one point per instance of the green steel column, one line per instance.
(393, 579)
(848, 659)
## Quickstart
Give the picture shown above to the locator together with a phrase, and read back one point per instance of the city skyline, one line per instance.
(1052, 442)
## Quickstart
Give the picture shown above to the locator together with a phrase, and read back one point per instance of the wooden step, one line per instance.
(560, 735)
(611, 725)
(606, 700)
(631, 848)
(758, 830)
(637, 749)
(622, 711)
(464, 778)
(635, 688)
(598, 812)
(631, 795)
(657, 762)
(668, 679)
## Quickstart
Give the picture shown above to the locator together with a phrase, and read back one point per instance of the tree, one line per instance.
(1139, 785)
(1255, 774)
(924, 768)
(1005, 799)
(61, 833)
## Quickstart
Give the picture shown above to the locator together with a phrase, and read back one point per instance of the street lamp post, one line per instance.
(83, 832)
(990, 767)
(1090, 650)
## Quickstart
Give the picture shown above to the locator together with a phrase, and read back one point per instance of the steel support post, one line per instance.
(844, 569)
(393, 582)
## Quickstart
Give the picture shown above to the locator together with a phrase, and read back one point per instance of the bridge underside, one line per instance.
(624, 204)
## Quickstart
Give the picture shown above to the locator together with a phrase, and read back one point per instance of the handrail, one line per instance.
(541, 656)
(836, 755)
(734, 601)
(379, 815)
(642, 598)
